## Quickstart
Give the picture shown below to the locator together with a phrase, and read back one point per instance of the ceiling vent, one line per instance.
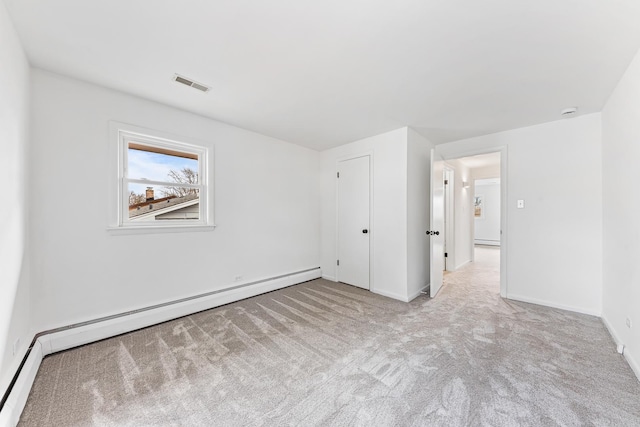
(185, 81)
(569, 112)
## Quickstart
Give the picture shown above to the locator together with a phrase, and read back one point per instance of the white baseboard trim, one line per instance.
(10, 414)
(629, 357)
(463, 264)
(94, 331)
(632, 361)
(553, 305)
(418, 292)
(330, 278)
(612, 332)
(390, 295)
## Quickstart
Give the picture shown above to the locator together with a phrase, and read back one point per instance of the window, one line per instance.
(162, 182)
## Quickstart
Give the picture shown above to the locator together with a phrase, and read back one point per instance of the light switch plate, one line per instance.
(520, 204)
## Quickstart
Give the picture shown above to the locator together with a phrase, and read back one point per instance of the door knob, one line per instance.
(431, 233)
(365, 231)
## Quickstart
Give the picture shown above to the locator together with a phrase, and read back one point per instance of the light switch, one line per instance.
(520, 204)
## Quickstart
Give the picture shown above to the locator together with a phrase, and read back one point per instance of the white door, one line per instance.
(436, 230)
(353, 222)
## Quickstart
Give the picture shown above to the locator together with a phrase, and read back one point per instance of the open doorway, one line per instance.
(474, 214)
(486, 212)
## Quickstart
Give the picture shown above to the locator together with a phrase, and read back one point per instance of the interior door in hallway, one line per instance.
(353, 221)
(436, 231)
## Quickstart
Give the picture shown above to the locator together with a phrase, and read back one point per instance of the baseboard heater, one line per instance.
(77, 334)
(486, 242)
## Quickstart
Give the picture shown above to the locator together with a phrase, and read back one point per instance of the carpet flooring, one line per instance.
(323, 353)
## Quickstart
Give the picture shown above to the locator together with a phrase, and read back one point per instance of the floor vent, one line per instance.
(188, 82)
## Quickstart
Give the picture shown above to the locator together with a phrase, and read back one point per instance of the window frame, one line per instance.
(121, 135)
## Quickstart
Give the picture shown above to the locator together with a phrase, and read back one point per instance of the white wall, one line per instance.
(555, 243)
(487, 228)
(621, 211)
(418, 211)
(266, 208)
(485, 172)
(463, 241)
(389, 227)
(14, 126)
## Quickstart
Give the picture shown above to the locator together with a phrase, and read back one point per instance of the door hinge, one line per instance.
(446, 255)
(338, 262)
(446, 182)
(338, 174)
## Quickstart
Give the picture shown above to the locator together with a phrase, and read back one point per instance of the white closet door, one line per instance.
(353, 221)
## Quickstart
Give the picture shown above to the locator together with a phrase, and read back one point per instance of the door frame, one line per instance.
(372, 232)
(449, 218)
(452, 154)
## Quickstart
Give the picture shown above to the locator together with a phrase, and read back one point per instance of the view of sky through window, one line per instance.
(155, 167)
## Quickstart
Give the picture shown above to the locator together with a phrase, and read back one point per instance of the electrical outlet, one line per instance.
(629, 323)
(237, 278)
(16, 346)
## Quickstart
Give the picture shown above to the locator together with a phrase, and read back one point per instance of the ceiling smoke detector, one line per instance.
(569, 112)
(188, 82)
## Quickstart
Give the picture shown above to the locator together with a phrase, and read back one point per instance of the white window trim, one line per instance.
(118, 223)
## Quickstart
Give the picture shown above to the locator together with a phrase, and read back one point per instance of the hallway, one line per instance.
(483, 273)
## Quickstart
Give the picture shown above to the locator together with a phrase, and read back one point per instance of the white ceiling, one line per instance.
(323, 73)
(481, 160)
(487, 181)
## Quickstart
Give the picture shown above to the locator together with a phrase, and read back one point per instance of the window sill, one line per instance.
(118, 231)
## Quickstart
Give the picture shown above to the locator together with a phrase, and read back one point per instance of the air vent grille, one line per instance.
(569, 112)
(199, 87)
(185, 81)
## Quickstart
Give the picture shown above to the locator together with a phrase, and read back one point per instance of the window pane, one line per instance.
(157, 164)
(163, 203)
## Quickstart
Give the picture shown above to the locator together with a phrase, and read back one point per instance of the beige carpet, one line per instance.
(322, 353)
